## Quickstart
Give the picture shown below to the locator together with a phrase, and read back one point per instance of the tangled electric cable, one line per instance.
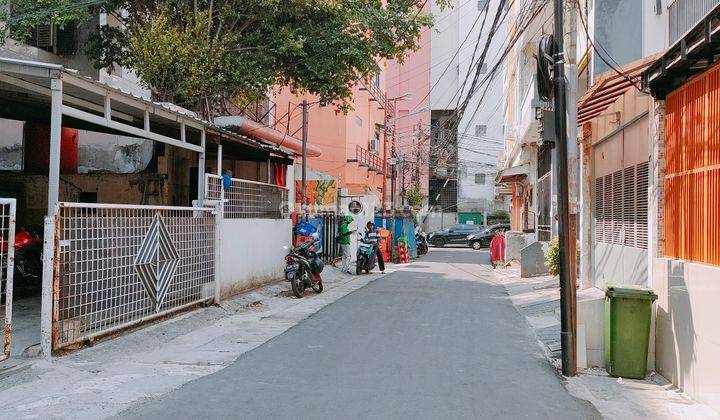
(545, 61)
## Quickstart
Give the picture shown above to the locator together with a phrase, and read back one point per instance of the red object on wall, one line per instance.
(280, 174)
(37, 149)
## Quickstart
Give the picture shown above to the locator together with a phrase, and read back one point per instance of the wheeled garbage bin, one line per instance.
(628, 313)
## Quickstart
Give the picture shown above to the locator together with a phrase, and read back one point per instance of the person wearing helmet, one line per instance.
(372, 236)
(343, 238)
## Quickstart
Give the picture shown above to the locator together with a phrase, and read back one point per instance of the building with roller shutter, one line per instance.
(684, 199)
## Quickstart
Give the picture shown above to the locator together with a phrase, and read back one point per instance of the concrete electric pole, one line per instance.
(567, 279)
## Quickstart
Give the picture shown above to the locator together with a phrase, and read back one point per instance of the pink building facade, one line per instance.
(412, 123)
(341, 137)
(353, 144)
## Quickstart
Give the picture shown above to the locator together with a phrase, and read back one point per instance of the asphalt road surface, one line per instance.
(437, 340)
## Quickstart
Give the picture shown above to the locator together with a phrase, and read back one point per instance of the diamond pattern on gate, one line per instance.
(156, 261)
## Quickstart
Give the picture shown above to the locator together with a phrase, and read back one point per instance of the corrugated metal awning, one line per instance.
(609, 87)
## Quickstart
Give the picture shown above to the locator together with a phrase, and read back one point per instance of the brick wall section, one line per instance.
(657, 188)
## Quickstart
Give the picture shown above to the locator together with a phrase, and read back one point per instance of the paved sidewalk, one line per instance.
(538, 298)
(102, 381)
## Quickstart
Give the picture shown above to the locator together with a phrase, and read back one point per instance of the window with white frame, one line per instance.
(480, 179)
(480, 130)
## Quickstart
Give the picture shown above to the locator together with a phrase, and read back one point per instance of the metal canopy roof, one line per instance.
(514, 173)
(95, 105)
(693, 53)
(609, 87)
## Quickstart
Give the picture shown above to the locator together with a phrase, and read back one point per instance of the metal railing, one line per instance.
(368, 159)
(379, 96)
(119, 265)
(245, 199)
(683, 15)
(7, 250)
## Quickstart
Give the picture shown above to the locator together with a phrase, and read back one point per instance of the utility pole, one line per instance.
(567, 280)
(385, 130)
(572, 134)
(304, 155)
(392, 153)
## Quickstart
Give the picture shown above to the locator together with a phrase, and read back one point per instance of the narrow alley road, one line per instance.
(436, 340)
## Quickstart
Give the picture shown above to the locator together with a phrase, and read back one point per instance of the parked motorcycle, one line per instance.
(28, 258)
(365, 255)
(421, 241)
(303, 267)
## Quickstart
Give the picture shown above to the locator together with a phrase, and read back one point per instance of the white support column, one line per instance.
(146, 120)
(107, 109)
(55, 131)
(290, 183)
(220, 174)
(46, 306)
(585, 231)
(220, 214)
(219, 161)
(201, 169)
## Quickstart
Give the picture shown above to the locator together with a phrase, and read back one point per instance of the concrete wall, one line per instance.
(688, 337)
(627, 30)
(438, 221)
(444, 41)
(337, 135)
(413, 77)
(516, 241)
(252, 253)
(616, 22)
(614, 264)
(619, 265)
(97, 152)
(31, 191)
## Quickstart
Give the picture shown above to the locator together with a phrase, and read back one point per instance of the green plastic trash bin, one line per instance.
(628, 312)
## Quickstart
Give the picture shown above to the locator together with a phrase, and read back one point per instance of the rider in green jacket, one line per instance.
(344, 239)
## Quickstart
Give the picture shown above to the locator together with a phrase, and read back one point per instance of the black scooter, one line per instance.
(303, 268)
(421, 241)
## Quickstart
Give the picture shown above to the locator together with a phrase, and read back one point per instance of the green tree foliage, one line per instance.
(200, 52)
(415, 197)
(552, 260)
(499, 214)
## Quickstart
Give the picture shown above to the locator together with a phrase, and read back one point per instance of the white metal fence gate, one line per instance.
(244, 199)
(119, 265)
(7, 253)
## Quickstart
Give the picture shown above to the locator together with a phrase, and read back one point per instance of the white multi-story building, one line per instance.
(465, 159)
